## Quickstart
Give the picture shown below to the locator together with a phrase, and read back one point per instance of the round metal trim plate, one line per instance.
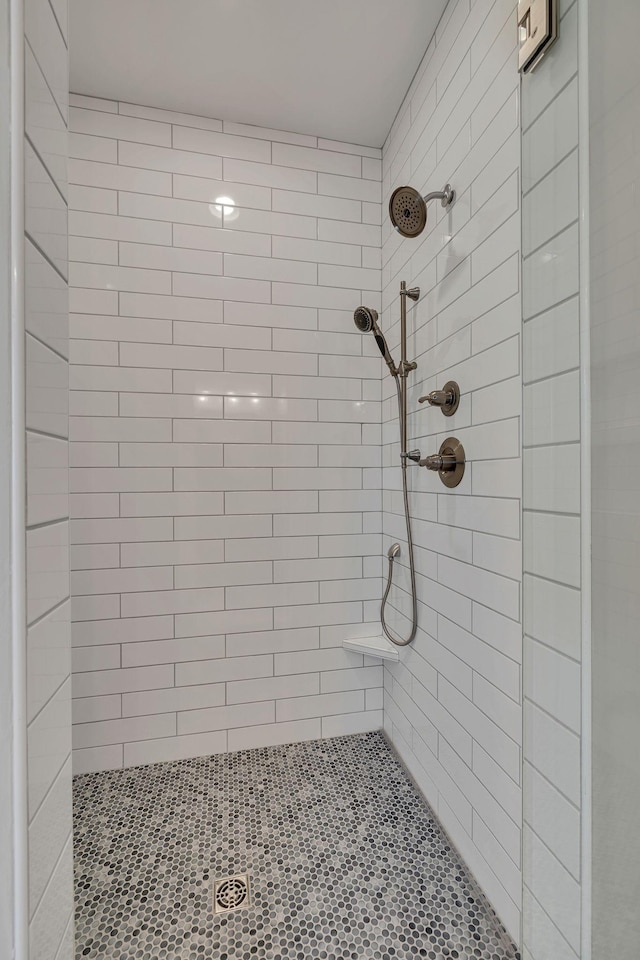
(450, 408)
(452, 448)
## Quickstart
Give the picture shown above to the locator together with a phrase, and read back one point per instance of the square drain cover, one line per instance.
(231, 893)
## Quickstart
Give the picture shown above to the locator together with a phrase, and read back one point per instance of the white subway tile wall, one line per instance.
(452, 704)
(225, 454)
(48, 652)
(552, 870)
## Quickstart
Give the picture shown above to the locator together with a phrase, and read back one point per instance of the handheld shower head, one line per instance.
(408, 208)
(366, 320)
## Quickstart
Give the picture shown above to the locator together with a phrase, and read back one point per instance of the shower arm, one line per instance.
(444, 196)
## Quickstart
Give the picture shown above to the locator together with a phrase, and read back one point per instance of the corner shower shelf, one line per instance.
(373, 647)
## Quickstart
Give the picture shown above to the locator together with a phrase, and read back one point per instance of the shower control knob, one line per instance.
(448, 462)
(438, 462)
(447, 399)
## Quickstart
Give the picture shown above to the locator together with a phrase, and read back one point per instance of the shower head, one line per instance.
(408, 208)
(366, 320)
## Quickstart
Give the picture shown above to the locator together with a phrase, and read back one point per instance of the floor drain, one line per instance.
(231, 893)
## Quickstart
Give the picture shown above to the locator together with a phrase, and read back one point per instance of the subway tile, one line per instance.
(46, 301)
(94, 556)
(295, 731)
(270, 455)
(221, 431)
(554, 888)
(220, 240)
(551, 205)
(158, 257)
(116, 731)
(171, 552)
(106, 277)
(116, 530)
(47, 568)
(169, 405)
(310, 524)
(223, 671)
(122, 631)
(84, 506)
(47, 479)
(269, 175)
(92, 199)
(109, 227)
(167, 116)
(171, 601)
(170, 504)
(48, 658)
(266, 268)
(226, 621)
(169, 454)
(209, 189)
(553, 750)
(89, 709)
(106, 429)
(104, 682)
(83, 146)
(222, 574)
(170, 159)
(147, 702)
(319, 614)
(553, 819)
(272, 641)
(171, 651)
(94, 759)
(170, 308)
(46, 390)
(121, 581)
(273, 688)
(111, 176)
(44, 124)
(98, 123)
(221, 145)
(165, 750)
(326, 161)
(316, 251)
(316, 205)
(170, 356)
(551, 273)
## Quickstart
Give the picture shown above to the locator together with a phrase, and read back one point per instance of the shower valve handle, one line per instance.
(437, 462)
(448, 462)
(447, 399)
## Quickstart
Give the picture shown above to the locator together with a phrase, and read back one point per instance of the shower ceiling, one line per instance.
(329, 68)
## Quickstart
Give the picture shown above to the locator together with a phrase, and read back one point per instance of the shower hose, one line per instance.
(395, 549)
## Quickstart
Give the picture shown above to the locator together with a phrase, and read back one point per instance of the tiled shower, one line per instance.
(207, 462)
(225, 435)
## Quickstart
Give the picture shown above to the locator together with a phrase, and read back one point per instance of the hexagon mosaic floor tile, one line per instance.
(344, 859)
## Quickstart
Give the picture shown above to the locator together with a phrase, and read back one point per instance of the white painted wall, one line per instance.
(552, 868)
(225, 456)
(452, 703)
(48, 635)
(13, 834)
(614, 182)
